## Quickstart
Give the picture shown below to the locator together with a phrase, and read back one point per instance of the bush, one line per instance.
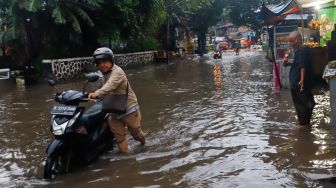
(150, 43)
(147, 44)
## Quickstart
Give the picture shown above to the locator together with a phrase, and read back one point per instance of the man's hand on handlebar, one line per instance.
(93, 96)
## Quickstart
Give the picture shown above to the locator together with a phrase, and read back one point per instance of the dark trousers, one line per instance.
(304, 104)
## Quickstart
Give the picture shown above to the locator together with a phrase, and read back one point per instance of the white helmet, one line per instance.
(103, 53)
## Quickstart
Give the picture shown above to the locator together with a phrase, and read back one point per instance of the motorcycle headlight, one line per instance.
(60, 129)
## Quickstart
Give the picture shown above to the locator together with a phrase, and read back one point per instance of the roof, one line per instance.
(271, 12)
(279, 12)
(286, 7)
(265, 13)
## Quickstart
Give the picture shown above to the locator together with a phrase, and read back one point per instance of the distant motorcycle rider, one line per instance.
(115, 82)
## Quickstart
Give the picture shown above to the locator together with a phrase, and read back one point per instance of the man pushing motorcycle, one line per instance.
(115, 82)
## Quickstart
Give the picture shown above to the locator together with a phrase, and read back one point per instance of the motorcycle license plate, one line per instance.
(64, 110)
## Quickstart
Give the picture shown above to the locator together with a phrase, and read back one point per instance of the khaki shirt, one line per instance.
(115, 82)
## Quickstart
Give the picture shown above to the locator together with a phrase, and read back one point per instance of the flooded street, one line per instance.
(209, 123)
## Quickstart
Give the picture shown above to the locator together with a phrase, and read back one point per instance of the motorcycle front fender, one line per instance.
(55, 147)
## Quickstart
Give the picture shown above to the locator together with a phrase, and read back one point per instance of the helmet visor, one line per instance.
(100, 57)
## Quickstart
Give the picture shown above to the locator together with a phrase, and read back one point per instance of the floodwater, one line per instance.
(209, 123)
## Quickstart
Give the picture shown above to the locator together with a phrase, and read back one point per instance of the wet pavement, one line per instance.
(209, 123)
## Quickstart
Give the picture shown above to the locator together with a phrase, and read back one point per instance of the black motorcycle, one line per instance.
(217, 54)
(80, 135)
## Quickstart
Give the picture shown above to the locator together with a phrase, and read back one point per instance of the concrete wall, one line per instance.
(74, 67)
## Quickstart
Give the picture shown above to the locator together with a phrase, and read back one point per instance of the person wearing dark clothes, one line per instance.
(300, 80)
(332, 46)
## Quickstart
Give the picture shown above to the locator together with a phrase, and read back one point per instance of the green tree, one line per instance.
(202, 19)
(184, 13)
(35, 29)
(129, 22)
(32, 25)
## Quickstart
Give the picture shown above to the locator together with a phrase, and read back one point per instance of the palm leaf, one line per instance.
(58, 16)
(32, 5)
(75, 23)
(84, 16)
(12, 7)
(95, 3)
(158, 4)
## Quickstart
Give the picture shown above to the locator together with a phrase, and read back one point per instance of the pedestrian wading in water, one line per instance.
(300, 80)
(115, 82)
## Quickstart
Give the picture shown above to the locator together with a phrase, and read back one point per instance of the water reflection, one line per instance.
(217, 77)
(304, 147)
(209, 123)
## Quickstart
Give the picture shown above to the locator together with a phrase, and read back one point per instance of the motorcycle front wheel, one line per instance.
(51, 167)
(56, 165)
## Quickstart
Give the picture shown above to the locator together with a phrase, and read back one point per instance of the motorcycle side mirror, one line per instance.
(92, 77)
(52, 82)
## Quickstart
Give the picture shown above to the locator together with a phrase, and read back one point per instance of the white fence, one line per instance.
(73, 67)
(4, 74)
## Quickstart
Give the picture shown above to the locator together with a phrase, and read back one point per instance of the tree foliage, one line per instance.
(196, 15)
(203, 19)
(34, 29)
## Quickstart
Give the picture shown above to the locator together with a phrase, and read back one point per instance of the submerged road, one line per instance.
(209, 123)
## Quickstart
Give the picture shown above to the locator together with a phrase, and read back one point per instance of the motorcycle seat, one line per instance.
(93, 115)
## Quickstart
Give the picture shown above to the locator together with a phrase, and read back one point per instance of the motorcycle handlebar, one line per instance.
(58, 98)
(87, 99)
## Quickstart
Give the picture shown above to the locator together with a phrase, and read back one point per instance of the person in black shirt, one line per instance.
(300, 80)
